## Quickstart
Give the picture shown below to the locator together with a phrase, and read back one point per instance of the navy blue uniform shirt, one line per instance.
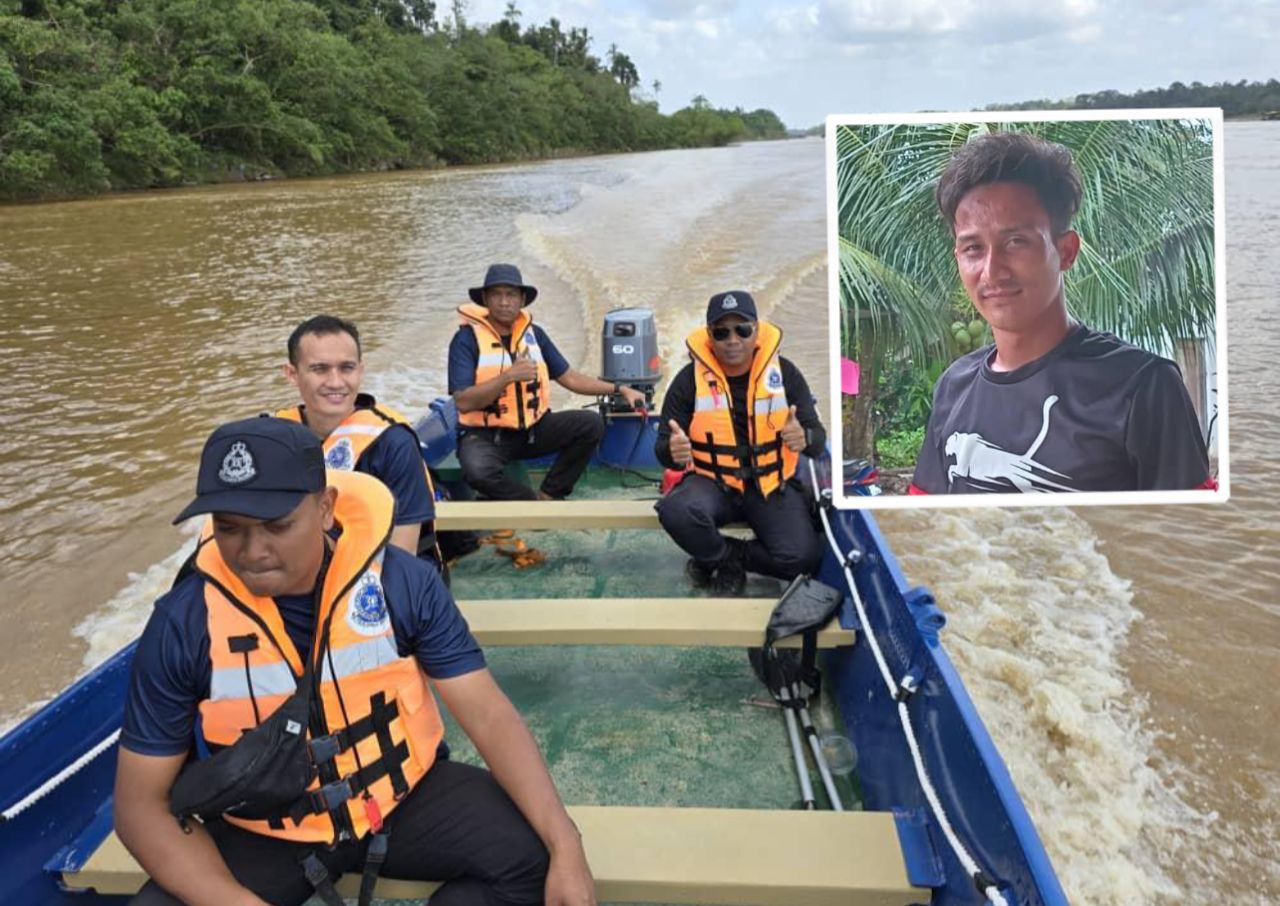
(396, 460)
(172, 671)
(464, 353)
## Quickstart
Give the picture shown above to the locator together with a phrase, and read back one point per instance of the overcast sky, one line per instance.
(805, 60)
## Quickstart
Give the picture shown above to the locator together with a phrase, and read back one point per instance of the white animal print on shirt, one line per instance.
(981, 461)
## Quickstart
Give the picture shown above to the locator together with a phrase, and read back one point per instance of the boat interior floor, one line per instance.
(654, 726)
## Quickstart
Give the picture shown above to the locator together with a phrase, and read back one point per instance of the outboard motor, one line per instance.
(629, 353)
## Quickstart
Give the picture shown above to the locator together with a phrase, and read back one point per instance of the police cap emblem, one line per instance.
(237, 466)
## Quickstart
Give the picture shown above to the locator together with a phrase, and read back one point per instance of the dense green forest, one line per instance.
(1237, 99)
(97, 95)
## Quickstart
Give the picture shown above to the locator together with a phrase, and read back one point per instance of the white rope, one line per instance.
(57, 779)
(992, 892)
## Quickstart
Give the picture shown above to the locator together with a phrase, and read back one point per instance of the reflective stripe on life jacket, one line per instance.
(369, 701)
(717, 452)
(521, 404)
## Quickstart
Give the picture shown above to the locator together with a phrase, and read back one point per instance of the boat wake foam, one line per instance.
(1037, 621)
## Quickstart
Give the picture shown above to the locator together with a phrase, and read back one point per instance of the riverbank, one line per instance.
(106, 97)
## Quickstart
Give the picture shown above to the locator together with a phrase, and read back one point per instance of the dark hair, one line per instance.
(320, 325)
(1045, 166)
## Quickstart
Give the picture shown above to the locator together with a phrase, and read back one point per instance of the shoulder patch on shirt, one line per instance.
(367, 613)
(340, 456)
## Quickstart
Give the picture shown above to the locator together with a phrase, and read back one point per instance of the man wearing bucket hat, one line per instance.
(294, 604)
(736, 419)
(501, 366)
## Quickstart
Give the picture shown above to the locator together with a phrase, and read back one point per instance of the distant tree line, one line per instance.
(1237, 99)
(97, 95)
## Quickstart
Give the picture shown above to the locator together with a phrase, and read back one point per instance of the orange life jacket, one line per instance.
(717, 452)
(355, 435)
(371, 700)
(521, 403)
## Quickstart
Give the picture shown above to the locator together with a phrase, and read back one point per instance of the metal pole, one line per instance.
(797, 751)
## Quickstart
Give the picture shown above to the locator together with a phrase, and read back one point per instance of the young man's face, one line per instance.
(327, 374)
(281, 556)
(1010, 261)
(504, 303)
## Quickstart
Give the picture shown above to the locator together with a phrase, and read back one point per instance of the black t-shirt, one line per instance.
(1092, 414)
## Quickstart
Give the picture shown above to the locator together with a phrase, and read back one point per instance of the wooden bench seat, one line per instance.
(680, 855)
(719, 622)
(488, 515)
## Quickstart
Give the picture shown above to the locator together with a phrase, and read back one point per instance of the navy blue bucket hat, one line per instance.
(503, 275)
(257, 467)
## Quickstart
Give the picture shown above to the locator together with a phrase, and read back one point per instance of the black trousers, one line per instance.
(457, 826)
(786, 541)
(484, 453)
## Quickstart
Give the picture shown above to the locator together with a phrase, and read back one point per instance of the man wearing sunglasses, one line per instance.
(736, 419)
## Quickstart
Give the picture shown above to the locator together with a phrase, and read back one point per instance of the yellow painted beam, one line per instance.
(745, 857)
(716, 622)
(487, 515)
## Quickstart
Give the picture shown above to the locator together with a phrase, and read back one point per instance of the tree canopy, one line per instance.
(1237, 99)
(97, 95)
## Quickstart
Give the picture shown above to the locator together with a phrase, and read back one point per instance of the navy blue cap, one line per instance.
(258, 467)
(735, 302)
(503, 275)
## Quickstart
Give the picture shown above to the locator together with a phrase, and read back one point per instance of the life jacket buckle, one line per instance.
(373, 813)
(325, 748)
(332, 796)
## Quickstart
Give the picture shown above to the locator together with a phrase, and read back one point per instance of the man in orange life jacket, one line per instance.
(501, 366)
(358, 432)
(736, 418)
(293, 569)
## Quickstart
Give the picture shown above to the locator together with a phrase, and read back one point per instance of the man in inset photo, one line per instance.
(1051, 405)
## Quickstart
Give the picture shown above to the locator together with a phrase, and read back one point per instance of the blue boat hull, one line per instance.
(60, 831)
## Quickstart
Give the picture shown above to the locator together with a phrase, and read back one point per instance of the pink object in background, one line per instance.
(849, 372)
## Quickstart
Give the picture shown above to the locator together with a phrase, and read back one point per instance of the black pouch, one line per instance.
(259, 776)
(805, 607)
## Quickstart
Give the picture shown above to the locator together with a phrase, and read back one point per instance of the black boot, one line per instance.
(731, 571)
(700, 575)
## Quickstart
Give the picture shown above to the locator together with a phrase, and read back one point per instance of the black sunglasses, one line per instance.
(720, 334)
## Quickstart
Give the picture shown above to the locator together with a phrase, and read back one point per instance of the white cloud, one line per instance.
(677, 9)
(913, 21)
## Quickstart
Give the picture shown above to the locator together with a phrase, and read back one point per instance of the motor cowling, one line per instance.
(629, 352)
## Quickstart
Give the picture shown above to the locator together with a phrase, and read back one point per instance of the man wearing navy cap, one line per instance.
(736, 419)
(293, 569)
(501, 366)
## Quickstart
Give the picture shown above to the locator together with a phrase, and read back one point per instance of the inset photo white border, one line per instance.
(925, 158)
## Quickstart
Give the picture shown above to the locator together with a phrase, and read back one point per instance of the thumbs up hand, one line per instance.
(793, 432)
(681, 449)
(522, 369)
